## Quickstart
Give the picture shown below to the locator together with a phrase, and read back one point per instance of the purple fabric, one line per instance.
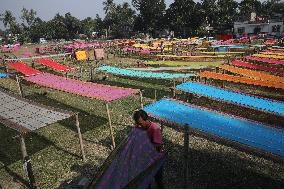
(136, 156)
(92, 90)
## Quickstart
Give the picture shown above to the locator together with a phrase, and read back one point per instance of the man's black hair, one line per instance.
(140, 113)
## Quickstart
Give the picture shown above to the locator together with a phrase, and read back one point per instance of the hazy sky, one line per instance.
(46, 9)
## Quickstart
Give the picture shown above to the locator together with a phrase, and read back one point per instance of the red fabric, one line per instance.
(257, 67)
(54, 65)
(155, 134)
(23, 68)
(266, 60)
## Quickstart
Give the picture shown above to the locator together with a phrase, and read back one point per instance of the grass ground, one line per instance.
(55, 149)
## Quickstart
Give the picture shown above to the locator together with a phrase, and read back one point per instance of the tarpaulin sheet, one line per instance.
(257, 67)
(136, 73)
(23, 68)
(239, 79)
(234, 97)
(54, 65)
(88, 89)
(135, 156)
(25, 116)
(257, 75)
(246, 132)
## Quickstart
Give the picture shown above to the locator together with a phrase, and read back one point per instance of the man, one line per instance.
(142, 121)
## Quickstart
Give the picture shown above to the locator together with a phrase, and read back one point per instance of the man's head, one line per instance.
(141, 118)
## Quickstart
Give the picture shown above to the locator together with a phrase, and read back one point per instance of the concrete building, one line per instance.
(273, 27)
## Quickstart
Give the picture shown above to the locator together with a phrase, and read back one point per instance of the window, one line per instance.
(276, 28)
(241, 30)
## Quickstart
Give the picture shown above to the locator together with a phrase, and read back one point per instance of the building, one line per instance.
(257, 25)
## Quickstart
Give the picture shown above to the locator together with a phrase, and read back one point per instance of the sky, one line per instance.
(46, 9)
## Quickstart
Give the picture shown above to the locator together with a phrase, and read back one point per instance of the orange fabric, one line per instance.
(239, 79)
(253, 74)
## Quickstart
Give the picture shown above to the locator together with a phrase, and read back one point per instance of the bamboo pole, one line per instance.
(174, 89)
(110, 126)
(141, 99)
(19, 86)
(155, 94)
(27, 164)
(185, 156)
(80, 137)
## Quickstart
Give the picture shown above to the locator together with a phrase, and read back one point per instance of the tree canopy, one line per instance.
(184, 17)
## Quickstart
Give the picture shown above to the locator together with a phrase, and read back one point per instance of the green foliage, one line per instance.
(151, 15)
(119, 19)
(184, 17)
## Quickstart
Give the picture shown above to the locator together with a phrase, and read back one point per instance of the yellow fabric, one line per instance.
(81, 55)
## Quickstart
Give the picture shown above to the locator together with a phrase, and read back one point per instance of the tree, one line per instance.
(227, 14)
(37, 30)
(183, 17)
(72, 25)
(246, 7)
(8, 19)
(119, 19)
(151, 14)
(28, 17)
(271, 7)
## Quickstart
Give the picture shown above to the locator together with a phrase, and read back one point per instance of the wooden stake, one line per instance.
(80, 137)
(174, 89)
(110, 126)
(141, 99)
(91, 73)
(155, 94)
(185, 155)
(27, 164)
(19, 86)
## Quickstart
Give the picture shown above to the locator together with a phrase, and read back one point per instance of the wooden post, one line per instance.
(155, 94)
(174, 89)
(81, 72)
(110, 126)
(185, 156)
(27, 164)
(19, 86)
(91, 73)
(141, 99)
(80, 137)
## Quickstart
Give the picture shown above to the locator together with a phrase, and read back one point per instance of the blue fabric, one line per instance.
(136, 73)
(3, 75)
(234, 97)
(245, 132)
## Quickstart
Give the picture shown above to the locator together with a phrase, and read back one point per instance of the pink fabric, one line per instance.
(266, 60)
(91, 90)
(154, 133)
(99, 54)
(257, 67)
